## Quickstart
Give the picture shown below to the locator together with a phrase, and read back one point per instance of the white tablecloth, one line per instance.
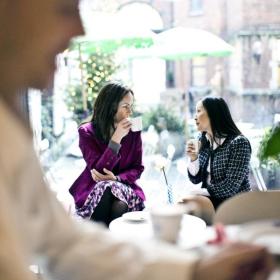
(193, 230)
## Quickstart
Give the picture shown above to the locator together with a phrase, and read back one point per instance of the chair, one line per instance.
(202, 207)
(250, 206)
(258, 177)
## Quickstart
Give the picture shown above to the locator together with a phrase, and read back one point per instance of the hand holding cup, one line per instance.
(193, 148)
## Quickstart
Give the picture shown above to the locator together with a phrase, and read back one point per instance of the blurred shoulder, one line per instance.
(86, 127)
(87, 130)
(240, 140)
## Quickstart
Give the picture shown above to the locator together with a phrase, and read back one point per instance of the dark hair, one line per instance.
(106, 107)
(221, 122)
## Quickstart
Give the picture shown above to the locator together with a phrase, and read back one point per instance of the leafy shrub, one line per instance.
(268, 152)
(162, 118)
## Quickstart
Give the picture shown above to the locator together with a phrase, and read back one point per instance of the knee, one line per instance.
(119, 206)
(202, 207)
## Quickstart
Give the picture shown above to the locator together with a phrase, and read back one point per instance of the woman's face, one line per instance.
(201, 118)
(124, 108)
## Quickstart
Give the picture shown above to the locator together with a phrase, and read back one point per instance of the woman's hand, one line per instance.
(108, 176)
(121, 131)
(191, 150)
(236, 261)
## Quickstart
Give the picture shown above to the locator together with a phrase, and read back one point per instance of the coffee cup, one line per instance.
(195, 144)
(166, 222)
(136, 123)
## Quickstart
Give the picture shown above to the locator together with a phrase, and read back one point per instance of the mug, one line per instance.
(136, 124)
(166, 221)
(195, 143)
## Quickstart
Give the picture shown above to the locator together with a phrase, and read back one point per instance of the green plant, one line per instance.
(97, 70)
(269, 148)
(162, 118)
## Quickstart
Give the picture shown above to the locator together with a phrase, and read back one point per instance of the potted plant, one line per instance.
(269, 156)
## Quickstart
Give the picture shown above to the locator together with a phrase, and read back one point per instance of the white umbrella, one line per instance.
(108, 32)
(181, 43)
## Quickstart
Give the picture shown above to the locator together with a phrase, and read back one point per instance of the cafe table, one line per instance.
(139, 226)
(195, 234)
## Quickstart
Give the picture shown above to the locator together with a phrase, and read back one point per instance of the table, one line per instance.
(195, 233)
(193, 230)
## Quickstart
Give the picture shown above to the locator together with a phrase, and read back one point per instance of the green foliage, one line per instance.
(162, 118)
(269, 149)
(97, 71)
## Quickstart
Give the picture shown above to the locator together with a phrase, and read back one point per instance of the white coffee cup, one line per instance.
(166, 222)
(136, 124)
(195, 143)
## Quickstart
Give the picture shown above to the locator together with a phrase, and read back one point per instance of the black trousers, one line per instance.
(216, 202)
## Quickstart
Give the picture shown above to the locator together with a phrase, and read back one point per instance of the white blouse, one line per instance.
(193, 166)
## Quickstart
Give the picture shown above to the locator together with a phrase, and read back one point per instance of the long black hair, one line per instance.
(106, 107)
(221, 121)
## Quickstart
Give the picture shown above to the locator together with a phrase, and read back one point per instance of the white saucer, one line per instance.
(136, 216)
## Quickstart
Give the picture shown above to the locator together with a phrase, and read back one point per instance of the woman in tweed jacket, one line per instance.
(222, 162)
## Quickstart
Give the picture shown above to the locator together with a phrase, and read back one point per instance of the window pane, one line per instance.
(278, 75)
(196, 6)
(199, 76)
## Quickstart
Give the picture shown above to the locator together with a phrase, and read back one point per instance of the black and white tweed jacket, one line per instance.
(229, 167)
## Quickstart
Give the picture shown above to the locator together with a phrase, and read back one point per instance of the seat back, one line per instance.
(258, 177)
(250, 206)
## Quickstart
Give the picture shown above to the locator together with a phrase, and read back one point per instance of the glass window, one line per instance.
(196, 7)
(278, 78)
(278, 60)
(199, 72)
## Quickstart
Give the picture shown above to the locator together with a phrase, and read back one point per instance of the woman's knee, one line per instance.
(118, 208)
(201, 206)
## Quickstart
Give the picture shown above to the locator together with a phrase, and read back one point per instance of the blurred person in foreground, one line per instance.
(33, 225)
(222, 161)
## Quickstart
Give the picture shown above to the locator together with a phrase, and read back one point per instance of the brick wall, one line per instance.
(256, 107)
(256, 74)
(260, 12)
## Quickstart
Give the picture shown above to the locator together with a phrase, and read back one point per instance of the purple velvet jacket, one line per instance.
(127, 164)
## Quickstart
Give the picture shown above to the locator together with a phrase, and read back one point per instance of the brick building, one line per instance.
(257, 35)
(249, 79)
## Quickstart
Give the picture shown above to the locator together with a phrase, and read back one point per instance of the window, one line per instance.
(278, 60)
(278, 76)
(199, 72)
(196, 7)
(170, 79)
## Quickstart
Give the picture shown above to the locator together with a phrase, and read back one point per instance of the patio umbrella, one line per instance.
(107, 33)
(180, 43)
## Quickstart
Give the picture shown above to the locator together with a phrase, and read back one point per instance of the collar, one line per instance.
(215, 145)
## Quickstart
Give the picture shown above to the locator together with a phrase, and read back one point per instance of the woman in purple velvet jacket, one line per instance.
(107, 187)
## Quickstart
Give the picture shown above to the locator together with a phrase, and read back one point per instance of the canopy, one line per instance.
(108, 32)
(181, 43)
